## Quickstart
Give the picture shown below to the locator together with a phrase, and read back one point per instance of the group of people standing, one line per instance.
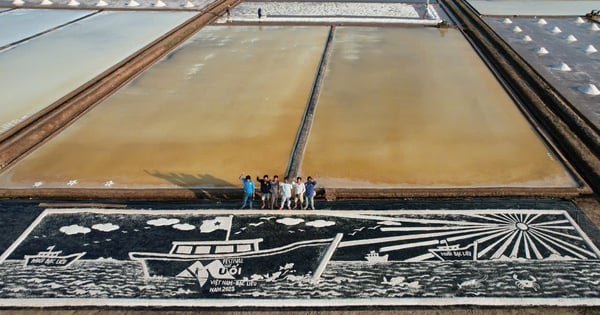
(273, 192)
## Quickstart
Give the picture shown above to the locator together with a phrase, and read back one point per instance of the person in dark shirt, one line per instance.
(310, 192)
(274, 191)
(265, 189)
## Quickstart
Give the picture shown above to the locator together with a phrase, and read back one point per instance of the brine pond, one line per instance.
(39, 72)
(398, 108)
(227, 101)
(418, 108)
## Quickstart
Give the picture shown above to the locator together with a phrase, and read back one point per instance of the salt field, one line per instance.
(449, 174)
(422, 123)
(534, 7)
(39, 72)
(229, 100)
(387, 117)
(336, 12)
(19, 24)
(112, 4)
(564, 52)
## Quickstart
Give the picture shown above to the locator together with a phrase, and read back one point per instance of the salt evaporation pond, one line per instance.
(39, 72)
(336, 12)
(20, 24)
(584, 67)
(418, 108)
(229, 100)
(116, 4)
(327, 9)
(534, 7)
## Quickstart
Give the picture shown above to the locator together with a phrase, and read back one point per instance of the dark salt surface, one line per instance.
(341, 280)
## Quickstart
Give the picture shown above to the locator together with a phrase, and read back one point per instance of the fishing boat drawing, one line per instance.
(455, 252)
(374, 257)
(51, 258)
(238, 259)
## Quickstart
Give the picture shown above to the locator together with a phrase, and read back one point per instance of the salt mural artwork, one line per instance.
(209, 257)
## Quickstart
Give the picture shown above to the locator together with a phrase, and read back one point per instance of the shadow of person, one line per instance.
(201, 184)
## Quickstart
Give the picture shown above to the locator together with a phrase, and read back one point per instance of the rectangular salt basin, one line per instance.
(417, 108)
(20, 24)
(249, 9)
(335, 12)
(118, 4)
(534, 7)
(564, 51)
(39, 72)
(227, 101)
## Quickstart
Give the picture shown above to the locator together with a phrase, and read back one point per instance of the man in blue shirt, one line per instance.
(310, 193)
(248, 190)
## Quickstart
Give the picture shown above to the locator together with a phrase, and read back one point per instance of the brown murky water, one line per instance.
(227, 101)
(418, 108)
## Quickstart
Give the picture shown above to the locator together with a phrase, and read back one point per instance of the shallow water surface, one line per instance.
(39, 72)
(418, 108)
(19, 24)
(229, 100)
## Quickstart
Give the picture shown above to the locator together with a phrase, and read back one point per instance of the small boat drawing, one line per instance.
(455, 252)
(51, 258)
(373, 257)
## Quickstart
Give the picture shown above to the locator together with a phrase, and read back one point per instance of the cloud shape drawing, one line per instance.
(389, 223)
(75, 229)
(105, 227)
(184, 227)
(320, 223)
(162, 222)
(290, 221)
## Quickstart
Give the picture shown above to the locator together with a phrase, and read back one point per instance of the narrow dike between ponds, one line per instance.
(309, 113)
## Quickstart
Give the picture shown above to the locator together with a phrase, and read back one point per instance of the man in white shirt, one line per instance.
(299, 190)
(286, 193)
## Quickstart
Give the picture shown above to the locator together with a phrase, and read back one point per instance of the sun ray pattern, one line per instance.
(483, 235)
